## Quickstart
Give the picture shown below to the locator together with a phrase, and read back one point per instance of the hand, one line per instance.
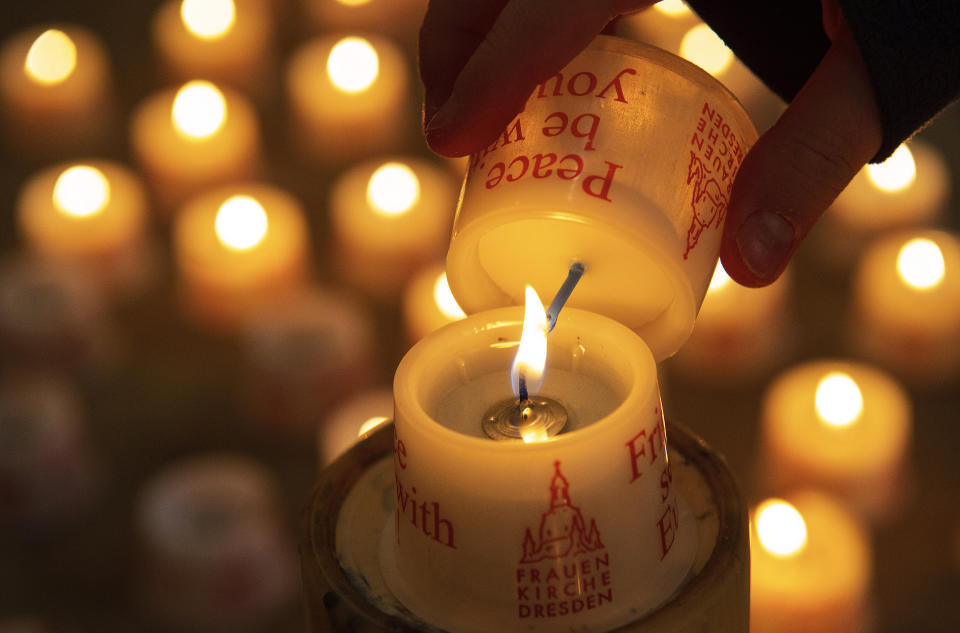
(480, 60)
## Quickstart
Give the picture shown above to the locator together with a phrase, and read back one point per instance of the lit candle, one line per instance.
(217, 554)
(54, 85)
(388, 220)
(662, 25)
(428, 303)
(906, 312)
(237, 249)
(92, 215)
(842, 426)
(810, 567)
(399, 18)
(354, 420)
(303, 356)
(740, 332)
(227, 41)
(347, 95)
(188, 139)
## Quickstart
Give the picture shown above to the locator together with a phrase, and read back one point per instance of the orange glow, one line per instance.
(531, 355)
(838, 400)
(241, 223)
(920, 264)
(353, 64)
(208, 19)
(81, 191)
(199, 110)
(393, 189)
(52, 58)
(781, 529)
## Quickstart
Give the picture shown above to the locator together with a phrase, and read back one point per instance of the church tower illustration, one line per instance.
(563, 530)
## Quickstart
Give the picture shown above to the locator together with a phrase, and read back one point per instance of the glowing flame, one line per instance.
(353, 3)
(199, 110)
(896, 173)
(241, 223)
(532, 353)
(444, 299)
(51, 58)
(393, 189)
(719, 280)
(208, 19)
(371, 425)
(81, 191)
(534, 434)
(781, 529)
(673, 8)
(704, 48)
(838, 399)
(920, 264)
(353, 64)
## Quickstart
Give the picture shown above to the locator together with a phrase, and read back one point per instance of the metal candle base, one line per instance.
(356, 492)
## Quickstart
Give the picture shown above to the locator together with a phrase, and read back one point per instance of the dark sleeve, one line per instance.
(911, 49)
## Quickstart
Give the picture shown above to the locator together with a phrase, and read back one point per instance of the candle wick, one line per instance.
(573, 277)
(522, 389)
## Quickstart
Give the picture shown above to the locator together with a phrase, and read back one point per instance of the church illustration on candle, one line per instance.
(563, 530)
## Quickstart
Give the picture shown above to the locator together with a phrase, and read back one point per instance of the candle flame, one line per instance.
(371, 425)
(199, 110)
(444, 299)
(896, 173)
(532, 353)
(208, 19)
(393, 189)
(673, 8)
(51, 58)
(720, 279)
(838, 400)
(241, 223)
(920, 264)
(704, 48)
(81, 191)
(353, 3)
(781, 529)
(353, 64)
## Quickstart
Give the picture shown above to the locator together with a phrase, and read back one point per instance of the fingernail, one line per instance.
(765, 241)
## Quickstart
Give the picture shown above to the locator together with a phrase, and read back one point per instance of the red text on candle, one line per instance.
(423, 515)
(584, 83)
(578, 128)
(643, 449)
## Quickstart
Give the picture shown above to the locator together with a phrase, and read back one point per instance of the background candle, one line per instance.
(838, 425)
(356, 418)
(428, 303)
(92, 215)
(906, 310)
(54, 86)
(663, 25)
(388, 220)
(189, 139)
(810, 567)
(400, 18)
(239, 248)
(348, 95)
(227, 41)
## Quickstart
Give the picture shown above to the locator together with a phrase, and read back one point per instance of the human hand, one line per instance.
(480, 60)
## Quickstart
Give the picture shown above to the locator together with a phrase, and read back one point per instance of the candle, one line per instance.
(428, 303)
(842, 426)
(303, 356)
(91, 215)
(389, 219)
(54, 86)
(906, 305)
(227, 41)
(347, 95)
(810, 566)
(216, 552)
(399, 18)
(237, 249)
(662, 25)
(354, 420)
(740, 332)
(189, 139)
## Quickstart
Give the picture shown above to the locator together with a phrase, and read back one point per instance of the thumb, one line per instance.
(797, 168)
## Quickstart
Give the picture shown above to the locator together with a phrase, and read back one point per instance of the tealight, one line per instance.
(348, 95)
(227, 41)
(389, 218)
(398, 18)
(360, 416)
(238, 249)
(906, 305)
(842, 426)
(810, 567)
(428, 303)
(194, 137)
(54, 87)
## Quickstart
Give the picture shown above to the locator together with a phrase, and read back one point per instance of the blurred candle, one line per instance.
(428, 303)
(54, 86)
(399, 18)
(191, 138)
(227, 41)
(237, 249)
(92, 215)
(702, 46)
(388, 220)
(810, 567)
(906, 315)
(663, 25)
(356, 418)
(841, 426)
(349, 97)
